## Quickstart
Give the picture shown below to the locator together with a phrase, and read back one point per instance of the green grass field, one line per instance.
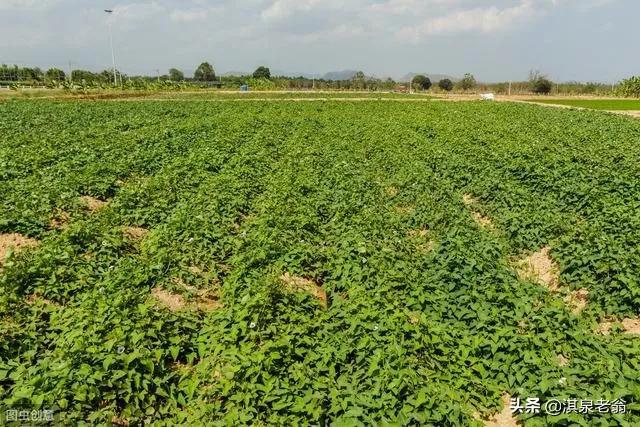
(595, 104)
(343, 263)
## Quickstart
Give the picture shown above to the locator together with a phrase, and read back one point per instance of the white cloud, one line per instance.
(192, 15)
(482, 20)
(337, 33)
(138, 11)
(401, 7)
(27, 4)
(280, 10)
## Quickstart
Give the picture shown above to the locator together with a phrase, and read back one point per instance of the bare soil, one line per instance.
(135, 233)
(578, 300)
(300, 284)
(629, 326)
(480, 219)
(469, 200)
(92, 203)
(36, 298)
(59, 219)
(504, 418)
(562, 360)
(16, 242)
(540, 268)
(173, 302)
(119, 421)
(206, 299)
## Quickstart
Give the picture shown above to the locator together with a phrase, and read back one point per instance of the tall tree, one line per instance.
(176, 75)
(468, 82)
(79, 75)
(423, 82)
(55, 74)
(31, 73)
(204, 73)
(262, 73)
(539, 82)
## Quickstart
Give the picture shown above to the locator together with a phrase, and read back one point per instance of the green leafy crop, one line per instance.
(425, 322)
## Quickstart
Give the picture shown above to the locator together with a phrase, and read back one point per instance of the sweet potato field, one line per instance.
(323, 263)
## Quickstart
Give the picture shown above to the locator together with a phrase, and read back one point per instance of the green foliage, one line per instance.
(539, 83)
(446, 84)
(421, 328)
(204, 73)
(629, 87)
(422, 82)
(176, 75)
(262, 73)
(261, 84)
(541, 86)
(468, 82)
(55, 74)
(31, 74)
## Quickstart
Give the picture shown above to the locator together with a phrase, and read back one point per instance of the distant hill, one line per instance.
(435, 78)
(340, 75)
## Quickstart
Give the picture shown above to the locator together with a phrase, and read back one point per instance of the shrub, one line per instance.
(445, 84)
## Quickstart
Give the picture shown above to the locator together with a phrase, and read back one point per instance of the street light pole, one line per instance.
(113, 56)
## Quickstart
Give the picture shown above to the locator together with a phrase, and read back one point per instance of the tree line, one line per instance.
(261, 78)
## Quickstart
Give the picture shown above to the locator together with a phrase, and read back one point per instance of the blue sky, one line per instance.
(586, 40)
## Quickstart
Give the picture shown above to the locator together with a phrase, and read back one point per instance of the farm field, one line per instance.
(212, 95)
(596, 104)
(344, 263)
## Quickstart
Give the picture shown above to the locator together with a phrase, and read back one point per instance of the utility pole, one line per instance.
(509, 87)
(113, 56)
